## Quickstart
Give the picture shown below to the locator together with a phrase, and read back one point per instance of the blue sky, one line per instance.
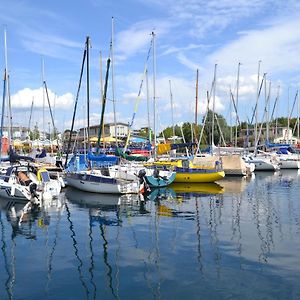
(190, 34)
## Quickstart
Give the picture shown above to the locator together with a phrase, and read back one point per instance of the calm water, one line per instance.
(239, 239)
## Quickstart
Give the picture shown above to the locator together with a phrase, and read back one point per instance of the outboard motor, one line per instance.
(141, 175)
(156, 173)
(144, 187)
(32, 189)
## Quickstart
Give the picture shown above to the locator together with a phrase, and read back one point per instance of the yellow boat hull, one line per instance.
(199, 177)
(187, 172)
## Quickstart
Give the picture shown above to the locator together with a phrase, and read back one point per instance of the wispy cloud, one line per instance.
(277, 46)
(137, 38)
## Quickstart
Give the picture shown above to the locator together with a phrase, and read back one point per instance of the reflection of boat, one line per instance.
(233, 185)
(161, 193)
(197, 188)
(91, 200)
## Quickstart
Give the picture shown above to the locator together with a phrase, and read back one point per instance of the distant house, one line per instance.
(79, 138)
(287, 137)
(18, 132)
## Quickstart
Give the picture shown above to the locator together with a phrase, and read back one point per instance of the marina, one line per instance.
(149, 150)
(235, 239)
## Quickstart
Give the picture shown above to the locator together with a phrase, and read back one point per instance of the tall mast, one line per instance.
(230, 117)
(10, 132)
(10, 135)
(276, 122)
(237, 101)
(112, 77)
(88, 90)
(288, 115)
(43, 91)
(213, 109)
(172, 113)
(148, 109)
(154, 95)
(101, 96)
(256, 108)
(268, 109)
(196, 100)
(4, 92)
(196, 108)
(298, 108)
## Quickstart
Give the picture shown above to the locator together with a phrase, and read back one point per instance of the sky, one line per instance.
(46, 39)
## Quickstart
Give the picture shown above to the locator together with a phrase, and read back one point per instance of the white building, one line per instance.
(287, 137)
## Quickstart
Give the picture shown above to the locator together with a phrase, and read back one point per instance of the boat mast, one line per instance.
(101, 93)
(267, 113)
(196, 107)
(148, 108)
(10, 131)
(298, 110)
(4, 92)
(43, 91)
(103, 105)
(75, 107)
(276, 123)
(172, 113)
(154, 95)
(88, 90)
(256, 108)
(213, 108)
(112, 77)
(237, 101)
(31, 109)
(288, 114)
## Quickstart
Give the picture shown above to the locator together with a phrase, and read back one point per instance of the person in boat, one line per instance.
(25, 180)
(42, 154)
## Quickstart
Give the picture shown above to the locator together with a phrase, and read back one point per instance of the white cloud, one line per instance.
(24, 98)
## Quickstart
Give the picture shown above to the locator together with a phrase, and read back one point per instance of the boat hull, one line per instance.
(198, 175)
(101, 185)
(160, 181)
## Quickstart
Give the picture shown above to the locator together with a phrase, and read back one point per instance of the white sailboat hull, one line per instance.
(101, 184)
(289, 164)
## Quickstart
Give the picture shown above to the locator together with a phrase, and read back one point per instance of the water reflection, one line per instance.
(204, 238)
(23, 218)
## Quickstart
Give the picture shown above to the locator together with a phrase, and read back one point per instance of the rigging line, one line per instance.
(51, 114)
(260, 88)
(103, 105)
(138, 96)
(235, 108)
(275, 103)
(75, 106)
(204, 122)
(30, 116)
(295, 99)
(208, 96)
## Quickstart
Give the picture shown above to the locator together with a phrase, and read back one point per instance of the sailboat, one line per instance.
(97, 180)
